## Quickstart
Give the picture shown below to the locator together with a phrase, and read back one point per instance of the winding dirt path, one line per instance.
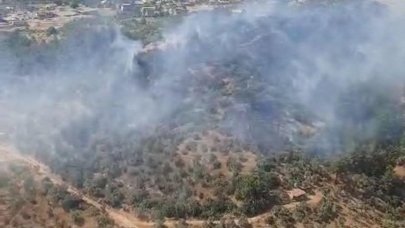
(120, 217)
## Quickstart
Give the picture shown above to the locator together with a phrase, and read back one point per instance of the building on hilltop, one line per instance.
(149, 11)
(297, 194)
(133, 7)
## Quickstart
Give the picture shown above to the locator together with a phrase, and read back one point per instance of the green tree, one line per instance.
(77, 218)
(70, 202)
(104, 222)
(74, 4)
(4, 180)
(51, 31)
(328, 211)
(254, 191)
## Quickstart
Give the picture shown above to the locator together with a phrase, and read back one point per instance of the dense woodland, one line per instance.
(239, 137)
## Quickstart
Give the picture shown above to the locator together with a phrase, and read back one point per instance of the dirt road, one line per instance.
(120, 217)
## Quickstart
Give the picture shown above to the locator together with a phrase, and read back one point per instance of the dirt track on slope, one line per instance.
(120, 217)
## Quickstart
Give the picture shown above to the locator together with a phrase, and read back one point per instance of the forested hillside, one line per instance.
(284, 116)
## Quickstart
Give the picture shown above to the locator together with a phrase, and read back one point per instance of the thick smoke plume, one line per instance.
(274, 58)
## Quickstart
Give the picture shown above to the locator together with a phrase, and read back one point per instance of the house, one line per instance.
(181, 10)
(126, 7)
(297, 194)
(223, 2)
(45, 15)
(134, 7)
(50, 7)
(165, 10)
(149, 11)
(108, 4)
(238, 11)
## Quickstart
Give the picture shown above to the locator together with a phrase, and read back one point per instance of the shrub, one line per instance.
(216, 165)
(3, 181)
(285, 216)
(77, 218)
(74, 4)
(104, 222)
(328, 211)
(70, 202)
(244, 222)
(51, 31)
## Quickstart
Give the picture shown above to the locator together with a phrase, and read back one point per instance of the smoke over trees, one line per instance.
(111, 116)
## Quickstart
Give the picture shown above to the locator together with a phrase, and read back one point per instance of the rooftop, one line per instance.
(296, 192)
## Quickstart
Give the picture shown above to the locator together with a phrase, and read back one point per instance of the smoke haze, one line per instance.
(272, 59)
